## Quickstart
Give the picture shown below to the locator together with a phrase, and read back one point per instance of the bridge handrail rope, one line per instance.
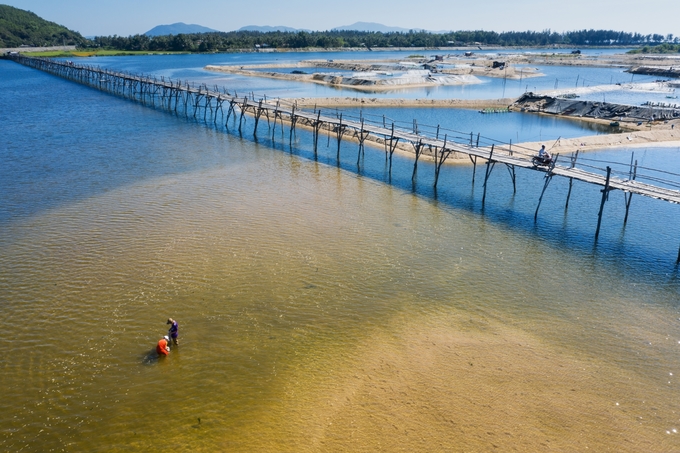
(625, 173)
(626, 164)
(411, 131)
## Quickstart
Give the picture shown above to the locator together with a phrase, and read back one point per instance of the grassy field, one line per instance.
(95, 53)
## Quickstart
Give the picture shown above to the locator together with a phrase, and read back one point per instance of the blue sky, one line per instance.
(127, 17)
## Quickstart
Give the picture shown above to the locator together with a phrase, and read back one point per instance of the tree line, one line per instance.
(226, 41)
(661, 48)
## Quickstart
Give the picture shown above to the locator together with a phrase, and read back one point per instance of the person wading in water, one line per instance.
(173, 331)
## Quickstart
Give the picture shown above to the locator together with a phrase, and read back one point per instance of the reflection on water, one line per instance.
(320, 309)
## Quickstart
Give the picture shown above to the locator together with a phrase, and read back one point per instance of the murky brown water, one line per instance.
(319, 311)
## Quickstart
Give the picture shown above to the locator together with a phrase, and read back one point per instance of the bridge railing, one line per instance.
(623, 170)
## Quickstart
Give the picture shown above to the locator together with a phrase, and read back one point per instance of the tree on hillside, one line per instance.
(19, 27)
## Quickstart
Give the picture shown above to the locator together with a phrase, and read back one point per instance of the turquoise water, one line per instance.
(506, 127)
(190, 67)
(323, 305)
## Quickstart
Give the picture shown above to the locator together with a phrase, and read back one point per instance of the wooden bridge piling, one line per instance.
(628, 196)
(547, 179)
(316, 125)
(293, 120)
(339, 131)
(511, 170)
(418, 148)
(490, 163)
(573, 158)
(605, 197)
(473, 159)
(439, 159)
(181, 97)
(361, 137)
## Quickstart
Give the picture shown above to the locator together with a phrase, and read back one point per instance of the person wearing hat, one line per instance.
(173, 331)
(162, 348)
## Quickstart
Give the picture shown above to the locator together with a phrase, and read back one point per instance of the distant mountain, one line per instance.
(375, 27)
(371, 26)
(178, 28)
(19, 27)
(267, 28)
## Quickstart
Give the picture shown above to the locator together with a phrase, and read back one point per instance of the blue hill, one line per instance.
(178, 28)
(267, 28)
(371, 26)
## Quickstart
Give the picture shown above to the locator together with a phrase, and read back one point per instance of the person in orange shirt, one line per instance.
(162, 347)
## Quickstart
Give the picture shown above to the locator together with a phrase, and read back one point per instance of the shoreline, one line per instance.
(667, 138)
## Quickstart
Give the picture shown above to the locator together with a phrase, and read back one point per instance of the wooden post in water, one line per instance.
(473, 159)
(198, 100)
(316, 125)
(330, 130)
(571, 180)
(208, 103)
(276, 114)
(489, 167)
(511, 170)
(293, 120)
(243, 111)
(605, 195)
(439, 160)
(266, 113)
(362, 137)
(229, 112)
(418, 149)
(628, 197)
(258, 112)
(393, 145)
(338, 132)
(548, 177)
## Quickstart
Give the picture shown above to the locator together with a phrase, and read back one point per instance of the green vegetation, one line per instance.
(19, 27)
(220, 42)
(95, 53)
(661, 48)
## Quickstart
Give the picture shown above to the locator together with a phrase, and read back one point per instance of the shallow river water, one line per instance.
(322, 306)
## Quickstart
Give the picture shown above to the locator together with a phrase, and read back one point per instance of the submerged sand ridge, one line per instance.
(467, 385)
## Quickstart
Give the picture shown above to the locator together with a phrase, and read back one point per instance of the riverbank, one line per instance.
(665, 138)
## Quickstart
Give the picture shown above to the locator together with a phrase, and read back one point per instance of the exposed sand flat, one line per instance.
(364, 81)
(641, 134)
(650, 87)
(663, 138)
(457, 65)
(613, 60)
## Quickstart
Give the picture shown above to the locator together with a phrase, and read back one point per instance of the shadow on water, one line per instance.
(39, 159)
(569, 227)
(151, 358)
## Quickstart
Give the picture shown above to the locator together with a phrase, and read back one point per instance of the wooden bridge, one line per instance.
(439, 143)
